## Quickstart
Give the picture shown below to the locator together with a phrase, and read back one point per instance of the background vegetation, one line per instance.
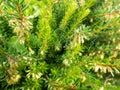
(59, 44)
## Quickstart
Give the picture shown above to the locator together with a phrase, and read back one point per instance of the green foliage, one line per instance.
(59, 44)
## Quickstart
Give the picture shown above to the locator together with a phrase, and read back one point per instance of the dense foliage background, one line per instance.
(59, 44)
